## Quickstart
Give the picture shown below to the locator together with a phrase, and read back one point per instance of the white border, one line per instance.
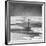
(43, 22)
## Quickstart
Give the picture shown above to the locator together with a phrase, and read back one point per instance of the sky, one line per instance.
(25, 9)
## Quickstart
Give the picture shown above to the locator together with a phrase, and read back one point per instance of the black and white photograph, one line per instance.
(24, 22)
